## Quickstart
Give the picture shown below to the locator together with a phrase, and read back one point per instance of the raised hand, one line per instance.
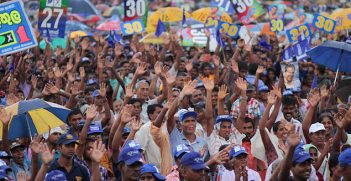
(164, 71)
(241, 84)
(158, 68)
(81, 73)
(294, 138)
(189, 88)
(260, 70)
(98, 151)
(100, 63)
(70, 77)
(277, 91)
(91, 112)
(169, 103)
(314, 98)
(234, 66)
(188, 65)
(216, 60)
(324, 92)
(271, 98)
(22, 176)
(85, 43)
(222, 93)
(102, 90)
(52, 88)
(136, 124)
(118, 50)
(126, 113)
(69, 66)
(141, 69)
(34, 80)
(5, 118)
(170, 79)
(58, 73)
(46, 155)
(129, 91)
(209, 84)
(35, 145)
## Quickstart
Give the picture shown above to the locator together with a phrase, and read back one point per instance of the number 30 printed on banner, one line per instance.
(229, 29)
(277, 25)
(324, 23)
(135, 8)
(295, 32)
(132, 27)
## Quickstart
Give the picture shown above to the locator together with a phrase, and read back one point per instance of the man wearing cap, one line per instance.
(192, 167)
(73, 171)
(4, 156)
(150, 172)
(74, 117)
(178, 152)
(188, 136)
(345, 164)
(102, 106)
(221, 133)
(18, 163)
(238, 157)
(199, 108)
(262, 98)
(129, 162)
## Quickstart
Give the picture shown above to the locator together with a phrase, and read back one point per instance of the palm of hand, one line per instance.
(47, 157)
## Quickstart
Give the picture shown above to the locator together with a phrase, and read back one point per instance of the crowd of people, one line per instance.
(166, 112)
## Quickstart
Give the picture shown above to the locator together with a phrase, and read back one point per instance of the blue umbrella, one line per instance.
(334, 55)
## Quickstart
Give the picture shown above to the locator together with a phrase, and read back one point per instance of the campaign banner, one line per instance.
(135, 9)
(195, 35)
(302, 30)
(298, 49)
(223, 5)
(132, 27)
(323, 23)
(248, 10)
(16, 31)
(276, 25)
(230, 30)
(52, 18)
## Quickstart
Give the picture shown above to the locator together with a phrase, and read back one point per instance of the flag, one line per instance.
(113, 38)
(160, 28)
(298, 49)
(184, 18)
(219, 38)
(263, 43)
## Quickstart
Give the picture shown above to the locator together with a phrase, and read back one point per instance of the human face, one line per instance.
(248, 129)
(197, 96)
(282, 132)
(175, 94)
(318, 138)
(189, 125)
(263, 95)
(240, 160)
(314, 154)
(18, 155)
(68, 150)
(345, 171)
(288, 112)
(289, 74)
(328, 124)
(154, 115)
(131, 172)
(88, 150)
(99, 101)
(206, 71)
(271, 75)
(143, 91)
(225, 129)
(180, 81)
(147, 177)
(302, 171)
(105, 77)
(214, 97)
(193, 175)
(136, 109)
(54, 137)
(74, 120)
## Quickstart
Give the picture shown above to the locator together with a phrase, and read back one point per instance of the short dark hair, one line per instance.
(204, 64)
(74, 111)
(249, 120)
(134, 100)
(242, 65)
(288, 101)
(276, 126)
(252, 68)
(151, 108)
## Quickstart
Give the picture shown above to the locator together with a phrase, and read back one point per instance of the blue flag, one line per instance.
(160, 28)
(298, 50)
(184, 18)
(263, 43)
(113, 38)
(219, 38)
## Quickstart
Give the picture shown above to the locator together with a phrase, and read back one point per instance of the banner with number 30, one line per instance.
(323, 23)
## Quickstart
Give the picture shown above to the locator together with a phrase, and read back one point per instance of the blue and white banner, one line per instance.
(298, 49)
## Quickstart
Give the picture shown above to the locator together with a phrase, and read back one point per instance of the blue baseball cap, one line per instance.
(55, 175)
(150, 168)
(287, 93)
(130, 155)
(67, 139)
(133, 144)
(4, 154)
(81, 123)
(222, 118)
(5, 168)
(300, 155)
(180, 149)
(296, 89)
(91, 81)
(94, 129)
(193, 160)
(3, 175)
(126, 130)
(183, 113)
(236, 151)
(263, 88)
(345, 157)
(96, 93)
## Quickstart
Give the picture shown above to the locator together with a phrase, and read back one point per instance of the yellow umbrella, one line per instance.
(77, 33)
(204, 13)
(153, 39)
(341, 16)
(168, 14)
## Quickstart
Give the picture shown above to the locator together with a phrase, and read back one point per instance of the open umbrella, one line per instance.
(334, 55)
(109, 25)
(342, 17)
(203, 13)
(168, 14)
(34, 116)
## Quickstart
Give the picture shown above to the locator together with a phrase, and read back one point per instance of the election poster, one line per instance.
(248, 10)
(16, 31)
(136, 9)
(52, 18)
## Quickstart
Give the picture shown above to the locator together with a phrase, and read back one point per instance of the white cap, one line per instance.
(316, 127)
(53, 130)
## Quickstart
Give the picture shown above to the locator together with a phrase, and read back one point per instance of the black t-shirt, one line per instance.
(77, 173)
